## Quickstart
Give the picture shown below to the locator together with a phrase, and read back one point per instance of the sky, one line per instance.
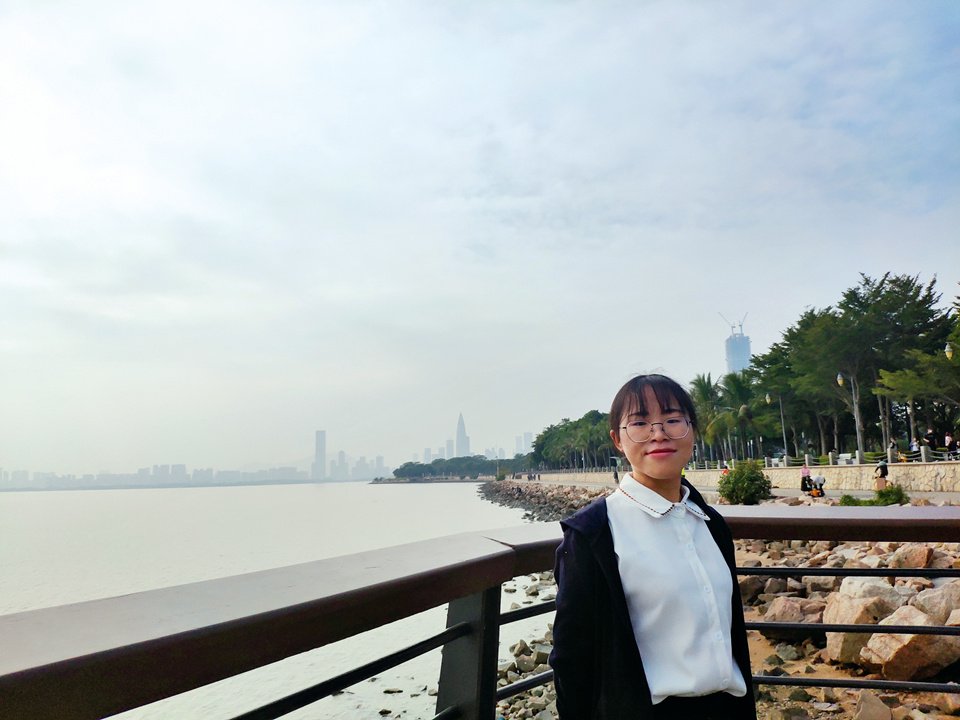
(224, 225)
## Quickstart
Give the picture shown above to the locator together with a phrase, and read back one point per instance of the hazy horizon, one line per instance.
(224, 228)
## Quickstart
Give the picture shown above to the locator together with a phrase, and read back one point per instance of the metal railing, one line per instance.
(97, 658)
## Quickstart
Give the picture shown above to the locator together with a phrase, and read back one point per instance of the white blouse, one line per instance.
(678, 589)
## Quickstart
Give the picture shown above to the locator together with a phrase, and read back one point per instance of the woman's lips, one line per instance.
(665, 451)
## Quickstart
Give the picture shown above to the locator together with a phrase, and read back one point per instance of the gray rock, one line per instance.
(750, 587)
(870, 707)
(787, 652)
(775, 585)
(939, 602)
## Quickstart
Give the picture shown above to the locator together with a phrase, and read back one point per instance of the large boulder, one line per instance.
(820, 583)
(939, 602)
(794, 610)
(845, 647)
(872, 587)
(910, 657)
(912, 555)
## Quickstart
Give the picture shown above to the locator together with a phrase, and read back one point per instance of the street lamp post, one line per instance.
(783, 425)
(855, 395)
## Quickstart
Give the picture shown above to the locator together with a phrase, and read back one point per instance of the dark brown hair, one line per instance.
(668, 392)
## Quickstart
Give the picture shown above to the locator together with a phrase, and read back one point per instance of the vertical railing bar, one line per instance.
(468, 671)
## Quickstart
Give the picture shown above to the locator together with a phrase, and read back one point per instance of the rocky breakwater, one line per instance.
(812, 600)
(543, 503)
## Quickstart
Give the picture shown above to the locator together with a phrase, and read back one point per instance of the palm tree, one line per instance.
(736, 398)
(705, 394)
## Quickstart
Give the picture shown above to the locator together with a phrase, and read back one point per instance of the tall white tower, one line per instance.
(737, 348)
(318, 471)
(463, 441)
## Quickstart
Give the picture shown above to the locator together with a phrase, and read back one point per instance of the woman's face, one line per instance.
(660, 458)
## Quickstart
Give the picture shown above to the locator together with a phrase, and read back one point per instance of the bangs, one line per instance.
(637, 401)
(669, 393)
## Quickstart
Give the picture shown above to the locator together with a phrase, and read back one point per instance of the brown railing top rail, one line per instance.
(97, 658)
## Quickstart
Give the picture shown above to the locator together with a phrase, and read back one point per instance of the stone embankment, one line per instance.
(543, 503)
(804, 599)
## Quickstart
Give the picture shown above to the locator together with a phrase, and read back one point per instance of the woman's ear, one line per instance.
(615, 436)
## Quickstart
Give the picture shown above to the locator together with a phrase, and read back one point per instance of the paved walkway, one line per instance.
(605, 480)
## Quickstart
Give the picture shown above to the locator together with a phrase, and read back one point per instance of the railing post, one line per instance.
(924, 453)
(468, 671)
(833, 457)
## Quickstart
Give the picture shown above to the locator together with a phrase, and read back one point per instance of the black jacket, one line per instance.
(598, 672)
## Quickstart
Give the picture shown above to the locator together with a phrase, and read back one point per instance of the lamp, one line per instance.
(783, 425)
(948, 351)
(855, 397)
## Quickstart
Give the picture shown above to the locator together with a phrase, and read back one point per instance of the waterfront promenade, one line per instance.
(935, 482)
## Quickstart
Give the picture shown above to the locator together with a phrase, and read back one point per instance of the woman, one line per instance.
(649, 619)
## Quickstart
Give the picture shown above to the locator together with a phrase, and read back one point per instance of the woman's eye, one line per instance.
(674, 421)
(637, 424)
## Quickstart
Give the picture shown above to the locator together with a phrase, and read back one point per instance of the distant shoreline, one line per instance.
(422, 481)
(179, 486)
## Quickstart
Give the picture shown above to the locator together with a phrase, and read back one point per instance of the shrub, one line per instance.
(890, 495)
(745, 484)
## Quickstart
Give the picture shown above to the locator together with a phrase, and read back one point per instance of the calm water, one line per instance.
(63, 547)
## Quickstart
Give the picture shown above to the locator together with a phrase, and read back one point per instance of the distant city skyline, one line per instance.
(343, 467)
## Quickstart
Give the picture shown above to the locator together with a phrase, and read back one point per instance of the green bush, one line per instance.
(745, 484)
(890, 495)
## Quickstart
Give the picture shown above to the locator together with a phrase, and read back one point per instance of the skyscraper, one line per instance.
(318, 470)
(738, 351)
(463, 441)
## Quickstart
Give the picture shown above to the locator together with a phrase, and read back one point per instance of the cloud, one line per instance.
(429, 208)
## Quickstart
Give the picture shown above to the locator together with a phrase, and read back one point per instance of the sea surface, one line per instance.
(59, 547)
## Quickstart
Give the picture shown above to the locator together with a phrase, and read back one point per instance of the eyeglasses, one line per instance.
(640, 431)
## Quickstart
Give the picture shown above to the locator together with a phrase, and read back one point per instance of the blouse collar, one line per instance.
(654, 504)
